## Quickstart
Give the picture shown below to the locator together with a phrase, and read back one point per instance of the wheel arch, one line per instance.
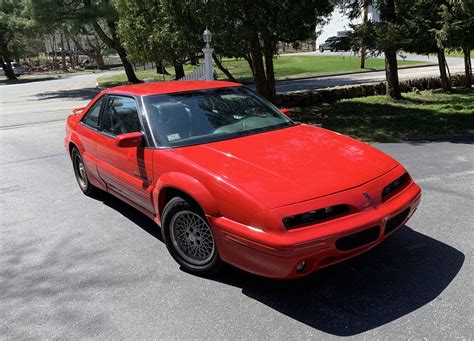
(74, 142)
(178, 184)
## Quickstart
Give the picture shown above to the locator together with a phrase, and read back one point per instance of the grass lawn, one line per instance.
(427, 115)
(458, 54)
(286, 67)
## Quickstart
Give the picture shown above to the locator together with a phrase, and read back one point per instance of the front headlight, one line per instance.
(395, 186)
(316, 216)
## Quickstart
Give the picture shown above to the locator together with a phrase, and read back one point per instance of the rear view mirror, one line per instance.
(129, 140)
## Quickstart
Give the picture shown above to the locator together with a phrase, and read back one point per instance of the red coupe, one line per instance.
(231, 179)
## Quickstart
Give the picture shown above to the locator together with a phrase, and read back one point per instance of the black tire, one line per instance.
(81, 174)
(321, 49)
(188, 237)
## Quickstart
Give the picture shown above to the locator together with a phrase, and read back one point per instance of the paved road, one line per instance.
(456, 65)
(78, 267)
(46, 101)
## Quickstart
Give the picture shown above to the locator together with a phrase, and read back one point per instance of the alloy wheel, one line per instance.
(192, 238)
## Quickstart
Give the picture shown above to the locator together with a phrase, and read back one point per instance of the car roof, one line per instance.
(157, 88)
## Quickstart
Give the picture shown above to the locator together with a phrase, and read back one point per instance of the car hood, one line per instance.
(290, 165)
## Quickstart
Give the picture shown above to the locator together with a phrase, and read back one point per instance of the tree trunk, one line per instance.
(63, 53)
(259, 76)
(71, 55)
(391, 74)
(99, 60)
(160, 69)
(467, 67)
(249, 61)
(178, 71)
(270, 73)
(114, 43)
(222, 68)
(131, 76)
(97, 55)
(446, 84)
(7, 68)
(53, 44)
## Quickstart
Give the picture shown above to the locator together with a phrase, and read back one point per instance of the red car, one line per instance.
(231, 179)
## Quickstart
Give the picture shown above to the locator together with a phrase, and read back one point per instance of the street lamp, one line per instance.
(207, 37)
(208, 72)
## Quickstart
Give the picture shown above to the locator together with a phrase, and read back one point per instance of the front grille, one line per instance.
(396, 221)
(358, 239)
(395, 187)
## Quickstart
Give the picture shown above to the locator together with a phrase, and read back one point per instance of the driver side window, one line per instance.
(120, 116)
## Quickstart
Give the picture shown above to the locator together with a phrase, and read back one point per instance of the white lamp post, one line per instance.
(208, 72)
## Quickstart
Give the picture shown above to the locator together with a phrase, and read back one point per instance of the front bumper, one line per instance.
(278, 254)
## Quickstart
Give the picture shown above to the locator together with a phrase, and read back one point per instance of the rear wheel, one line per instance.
(189, 237)
(81, 173)
(321, 49)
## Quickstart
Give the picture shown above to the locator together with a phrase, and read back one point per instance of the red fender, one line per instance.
(188, 185)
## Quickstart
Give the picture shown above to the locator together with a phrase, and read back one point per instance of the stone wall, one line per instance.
(310, 97)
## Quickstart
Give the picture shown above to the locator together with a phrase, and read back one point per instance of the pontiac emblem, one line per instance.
(369, 199)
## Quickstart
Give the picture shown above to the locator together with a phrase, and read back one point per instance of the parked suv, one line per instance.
(336, 44)
(17, 69)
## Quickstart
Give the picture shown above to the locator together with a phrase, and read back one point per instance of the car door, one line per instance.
(126, 171)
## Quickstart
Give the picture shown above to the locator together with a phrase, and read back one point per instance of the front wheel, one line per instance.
(189, 238)
(321, 49)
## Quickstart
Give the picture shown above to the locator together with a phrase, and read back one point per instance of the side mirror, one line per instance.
(129, 140)
(285, 112)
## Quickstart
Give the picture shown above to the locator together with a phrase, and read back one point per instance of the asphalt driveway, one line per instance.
(78, 267)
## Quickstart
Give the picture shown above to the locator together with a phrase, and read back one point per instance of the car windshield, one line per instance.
(196, 117)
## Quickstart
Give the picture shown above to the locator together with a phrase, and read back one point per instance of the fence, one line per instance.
(197, 74)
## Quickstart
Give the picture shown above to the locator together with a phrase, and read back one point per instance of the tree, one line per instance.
(101, 15)
(150, 34)
(88, 43)
(457, 31)
(422, 22)
(15, 25)
(387, 35)
(251, 29)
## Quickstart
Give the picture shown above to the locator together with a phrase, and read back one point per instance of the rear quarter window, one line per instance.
(91, 118)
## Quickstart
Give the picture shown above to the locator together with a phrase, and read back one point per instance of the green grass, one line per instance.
(458, 54)
(121, 78)
(427, 115)
(286, 67)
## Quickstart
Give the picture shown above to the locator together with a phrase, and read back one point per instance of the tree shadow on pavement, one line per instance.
(46, 283)
(462, 139)
(78, 94)
(399, 276)
(26, 80)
